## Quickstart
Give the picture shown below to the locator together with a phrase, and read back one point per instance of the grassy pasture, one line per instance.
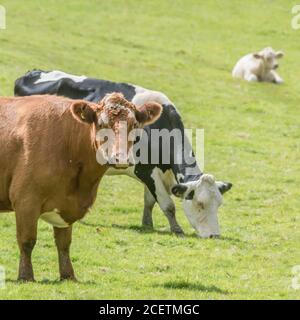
(252, 138)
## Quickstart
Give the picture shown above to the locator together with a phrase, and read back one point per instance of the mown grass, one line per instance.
(187, 50)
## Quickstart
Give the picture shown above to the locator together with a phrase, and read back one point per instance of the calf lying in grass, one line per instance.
(259, 66)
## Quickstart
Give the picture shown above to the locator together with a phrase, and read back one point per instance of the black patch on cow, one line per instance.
(94, 90)
(89, 89)
(190, 196)
(179, 189)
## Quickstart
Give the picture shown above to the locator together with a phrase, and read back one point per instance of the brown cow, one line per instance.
(48, 164)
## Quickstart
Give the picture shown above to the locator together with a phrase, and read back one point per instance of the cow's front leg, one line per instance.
(63, 238)
(273, 76)
(168, 207)
(149, 202)
(26, 221)
(165, 202)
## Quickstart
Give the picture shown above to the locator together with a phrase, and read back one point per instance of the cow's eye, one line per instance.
(190, 195)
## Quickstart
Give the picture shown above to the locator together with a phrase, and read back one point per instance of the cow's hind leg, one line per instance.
(149, 202)
(63, 238)
(251, 77)
(27, 221)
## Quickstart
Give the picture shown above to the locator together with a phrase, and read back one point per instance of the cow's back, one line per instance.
(74, 87)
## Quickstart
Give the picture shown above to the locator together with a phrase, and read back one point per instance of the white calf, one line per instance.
(259, 66)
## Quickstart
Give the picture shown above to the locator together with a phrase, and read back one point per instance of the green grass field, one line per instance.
(252, 138)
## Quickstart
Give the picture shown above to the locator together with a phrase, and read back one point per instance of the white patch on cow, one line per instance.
(202, 209)
(163, 182)
(180, 177)
(144, 95)
(104, 118)
(55, 219)
(57, 75)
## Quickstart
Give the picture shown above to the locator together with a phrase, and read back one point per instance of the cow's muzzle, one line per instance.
(214, 236)
(120, 161)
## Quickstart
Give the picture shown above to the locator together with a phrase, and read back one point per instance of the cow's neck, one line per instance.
(183, 163)
(185, 168)
(185, 173)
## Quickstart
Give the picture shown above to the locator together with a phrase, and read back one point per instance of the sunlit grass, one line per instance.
(187, 50)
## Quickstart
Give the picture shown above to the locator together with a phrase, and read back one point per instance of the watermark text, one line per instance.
(295, 23)
(296, 277)
(2, 17)
(2, 277)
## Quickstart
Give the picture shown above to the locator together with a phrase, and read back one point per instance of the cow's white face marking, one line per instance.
(104, 118)
(57, 75)
(201, 200)
(55, 219)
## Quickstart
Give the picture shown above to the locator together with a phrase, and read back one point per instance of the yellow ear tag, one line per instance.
(82, 116)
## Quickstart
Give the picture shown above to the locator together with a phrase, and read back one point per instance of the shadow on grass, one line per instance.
(90, 224)
(145, 230)
(51, 282)
(136, 228)
(141, 229)
(184, 285)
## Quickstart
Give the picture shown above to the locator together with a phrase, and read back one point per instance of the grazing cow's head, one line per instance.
(269, 58)
(114, 118)
(202, 199)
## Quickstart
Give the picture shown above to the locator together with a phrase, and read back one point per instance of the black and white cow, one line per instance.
(201, 194)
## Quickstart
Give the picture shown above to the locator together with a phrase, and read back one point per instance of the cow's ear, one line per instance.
(279, 54)
(179, 190)
(148, 113)
(224, 186)
(257, 56)
(84, 112)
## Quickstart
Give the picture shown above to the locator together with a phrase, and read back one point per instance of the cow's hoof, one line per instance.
(68, 278)
(25, 279)
(148, 226)
(180, 234)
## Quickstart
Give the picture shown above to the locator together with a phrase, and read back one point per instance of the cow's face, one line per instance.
(269, 58)
(201, 200)
(114, 119)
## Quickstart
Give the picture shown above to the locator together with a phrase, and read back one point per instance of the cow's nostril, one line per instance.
(214, 236)
(121, 157)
